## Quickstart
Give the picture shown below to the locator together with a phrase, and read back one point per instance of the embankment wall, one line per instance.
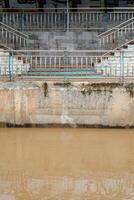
(64, 103)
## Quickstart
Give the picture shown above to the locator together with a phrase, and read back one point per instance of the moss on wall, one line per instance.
(106, 87)
(130, 89)
(98, 87)
(62, 84)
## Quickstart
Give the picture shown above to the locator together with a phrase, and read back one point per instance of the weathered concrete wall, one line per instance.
(64, 103)
(60, 40)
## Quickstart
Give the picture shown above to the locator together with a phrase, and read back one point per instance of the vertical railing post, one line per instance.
(22, 21)
(68, 20)
(122, 66)
(10, 67)
(27, 42)
(1, 16)
(65, 62)
(105, 21)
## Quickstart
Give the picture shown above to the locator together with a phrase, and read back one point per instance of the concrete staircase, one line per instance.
(121, 39)
(62, 72)
(118, 35)
(119, 63)
(10, 61)
(12, 65)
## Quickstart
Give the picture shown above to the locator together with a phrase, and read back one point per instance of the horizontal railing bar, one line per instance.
(115, 30)
(34, 28)
(52, 50)
(120, 12)
(78, 12)
(81, 12)
(82, 8)
(11, 31)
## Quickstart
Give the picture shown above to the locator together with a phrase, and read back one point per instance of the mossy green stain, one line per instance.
(63, 84)
(130, 88)
(106, 87)
(98, 87)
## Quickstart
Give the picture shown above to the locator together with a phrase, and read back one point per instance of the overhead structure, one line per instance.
(111, 3)
(72, 3)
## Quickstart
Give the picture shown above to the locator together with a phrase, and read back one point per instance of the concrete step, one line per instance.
(58, 73)
(63, 71)
(87, 76)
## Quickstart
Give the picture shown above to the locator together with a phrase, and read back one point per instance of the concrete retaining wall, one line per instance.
(74, 104)
(67, 40)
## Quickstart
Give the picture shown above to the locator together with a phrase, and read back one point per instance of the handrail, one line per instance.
(64, 9)
(6, 47)
(117, 48)
(13, 38)
(126, 43)
(117, 27)
(14, 30)
(84, 8)
(61, 51)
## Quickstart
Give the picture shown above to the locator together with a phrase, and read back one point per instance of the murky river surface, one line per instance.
(66, 164)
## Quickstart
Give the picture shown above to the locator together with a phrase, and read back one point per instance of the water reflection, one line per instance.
(66, 164)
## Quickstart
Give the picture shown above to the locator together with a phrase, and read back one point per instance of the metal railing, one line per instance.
(12, 38)
(112, 37)
(51, 19)
(67, 64)
(63, 19)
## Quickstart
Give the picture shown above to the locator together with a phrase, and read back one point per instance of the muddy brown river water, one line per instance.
(66, 164)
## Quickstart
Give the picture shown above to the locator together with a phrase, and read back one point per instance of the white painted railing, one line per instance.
(69, 64)
(51, 20)
(49, 59)
(12, 38)
(111, 38)
(120, 16)
(60, 19)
